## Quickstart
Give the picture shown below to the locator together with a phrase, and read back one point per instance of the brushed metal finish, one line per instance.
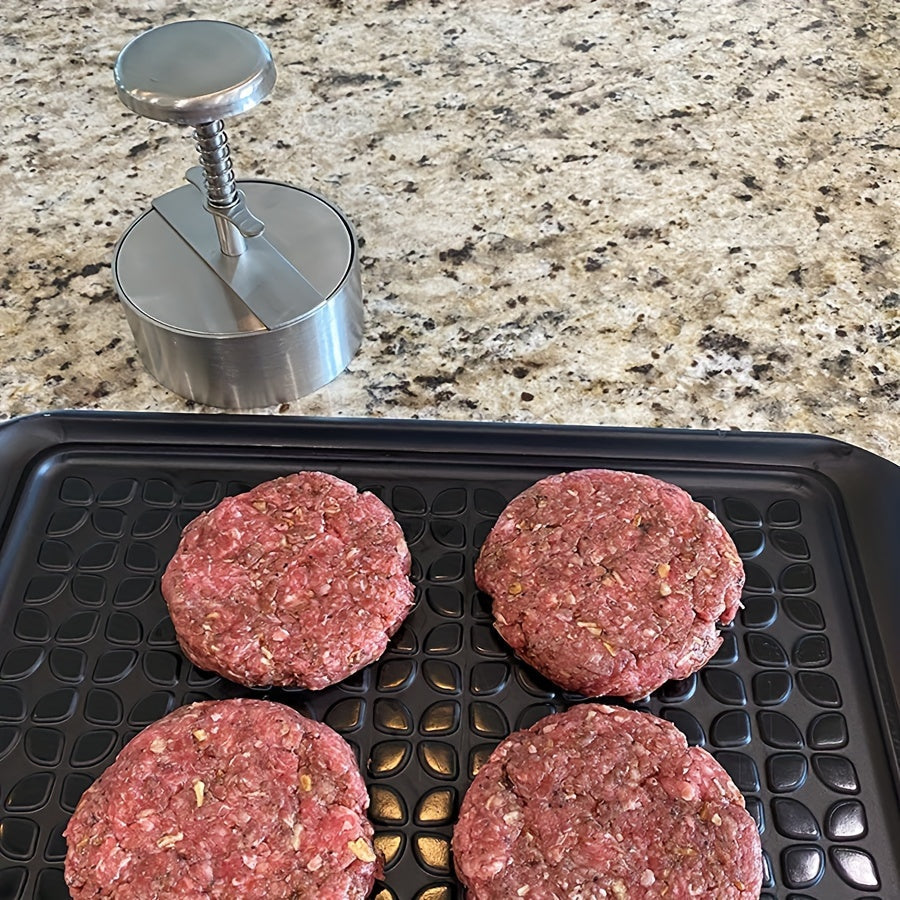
(194, 72)
(263, 279)
(198, 338)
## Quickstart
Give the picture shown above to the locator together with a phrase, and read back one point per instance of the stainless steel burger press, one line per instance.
(240, 292)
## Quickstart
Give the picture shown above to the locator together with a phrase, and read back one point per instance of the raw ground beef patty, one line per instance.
(300, 581)
(610, 583)
(605, 802)
(233, 799)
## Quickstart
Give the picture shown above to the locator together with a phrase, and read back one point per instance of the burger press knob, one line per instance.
(240, 292)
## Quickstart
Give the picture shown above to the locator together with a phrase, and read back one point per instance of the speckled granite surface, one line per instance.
(638, 213)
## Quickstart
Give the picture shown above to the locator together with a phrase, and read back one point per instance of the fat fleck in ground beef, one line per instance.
(605, 802)
(300, 581)
(610, 583)
(230, 799)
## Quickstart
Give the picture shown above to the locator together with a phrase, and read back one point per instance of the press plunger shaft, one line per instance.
(221, 192)
(215, 157)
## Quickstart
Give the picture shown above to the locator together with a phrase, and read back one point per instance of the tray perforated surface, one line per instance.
(88, 656)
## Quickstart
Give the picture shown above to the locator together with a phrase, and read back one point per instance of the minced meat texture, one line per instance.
(232, 799)
(610, 583)
(605, 802)
(300, 581)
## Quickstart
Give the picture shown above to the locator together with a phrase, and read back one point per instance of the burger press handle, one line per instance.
(240, 293)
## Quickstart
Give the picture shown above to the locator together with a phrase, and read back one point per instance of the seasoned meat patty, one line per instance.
(605, 802)
(610, 583)
(300, 581)
(232, 799)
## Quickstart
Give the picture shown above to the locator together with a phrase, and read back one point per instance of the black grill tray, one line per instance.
(799, 705)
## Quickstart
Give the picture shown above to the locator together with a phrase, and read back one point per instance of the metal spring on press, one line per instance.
(215, 158)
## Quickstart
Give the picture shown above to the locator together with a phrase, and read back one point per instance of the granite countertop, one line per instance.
(640, 213)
